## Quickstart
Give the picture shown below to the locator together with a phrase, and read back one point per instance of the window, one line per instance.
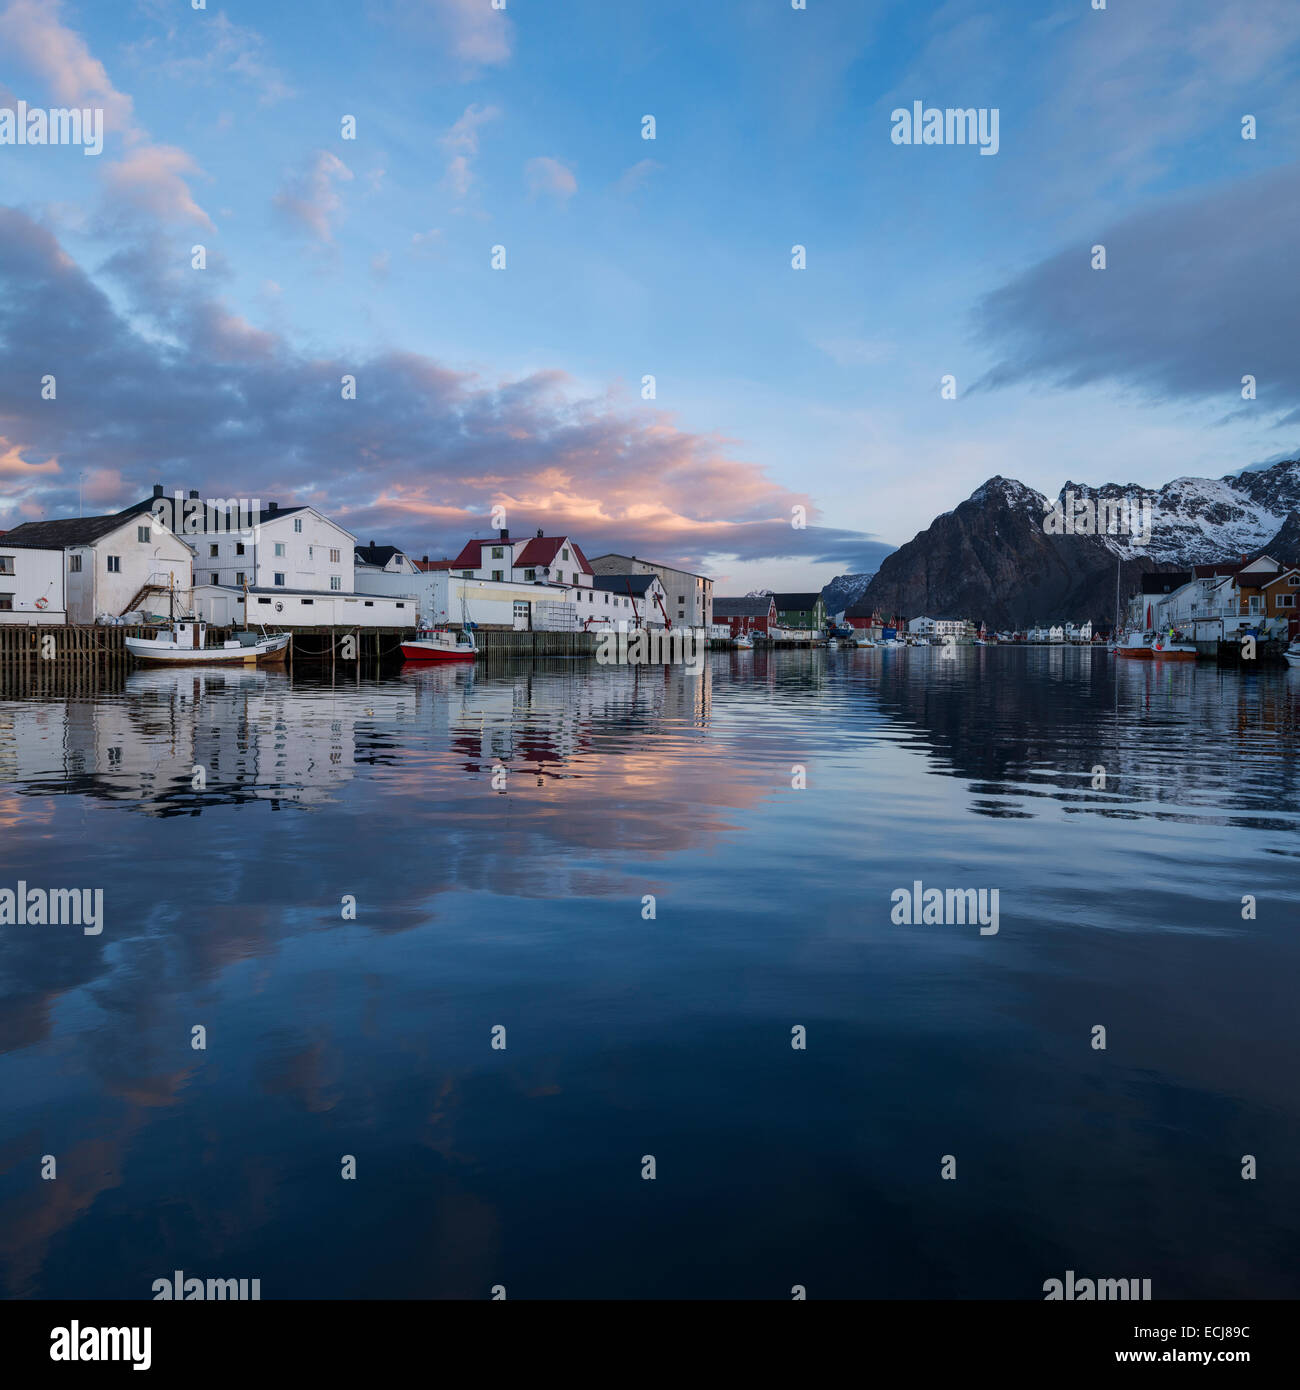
(401, 605)
(6, 603)
(1286, 600)
(564, 554)
(681, 612)
(1256, 603)
(241, 578)
(607, 598)
(74, 564)
(575, 578)
(239, 547)
(496, 574)
(530, 575)
(681, 598)
(213, 551)
(142, 534)
(307, 602)
(335, 582)
(311, 552)
(369, 603)
(297, 524)
(214, 579)
(497, 552)
(6, 564)
(1293, 580)
(115, 564)
(279, 581)
(334, 557)
(467, 574)
(279, 549)
(264, 600)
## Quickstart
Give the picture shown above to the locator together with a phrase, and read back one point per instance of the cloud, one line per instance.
(310, 198)
(216, 51)
(547, 176)
(31, 33)
(1196, 294)
(635, 178)
(174, 388)
(13, 465)
(149, 177)
(470, 32)
(461, 142)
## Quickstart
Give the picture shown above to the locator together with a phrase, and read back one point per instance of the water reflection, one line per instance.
(769, 806)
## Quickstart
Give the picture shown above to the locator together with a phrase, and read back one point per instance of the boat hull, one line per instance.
(1156, 654)
(150, 653)
(413, 651)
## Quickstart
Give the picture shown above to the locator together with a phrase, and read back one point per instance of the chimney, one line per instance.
(194, 492)
(372, 545)
(505, 534)
(157, 489)
(539, 533)
(424, 559)
(272, 506)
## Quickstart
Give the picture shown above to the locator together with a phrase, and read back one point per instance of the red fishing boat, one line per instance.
(440, 644)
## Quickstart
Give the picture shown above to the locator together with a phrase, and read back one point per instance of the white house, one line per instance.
(628, 601)
(113, 564)
(286, 548)
(32, 583)
(936, 627)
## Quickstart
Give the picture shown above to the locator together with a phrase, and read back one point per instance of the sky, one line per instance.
(364, 250)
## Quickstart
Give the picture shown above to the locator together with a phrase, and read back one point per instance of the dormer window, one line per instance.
(564, 553)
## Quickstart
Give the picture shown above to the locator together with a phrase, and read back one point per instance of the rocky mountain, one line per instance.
(1011, 557)
(845, 590)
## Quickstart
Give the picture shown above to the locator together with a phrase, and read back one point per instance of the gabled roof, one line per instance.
(1281, 574)
(7, 544)
(742, 607)
(540, 553)
(77, 530)
(638, 584)
(429, 566)
(471, 557)
(796, 603)
(376, 554)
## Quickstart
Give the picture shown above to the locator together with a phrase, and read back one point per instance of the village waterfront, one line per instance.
(649, 881)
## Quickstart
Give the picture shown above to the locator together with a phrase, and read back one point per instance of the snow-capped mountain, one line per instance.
(1007, 556)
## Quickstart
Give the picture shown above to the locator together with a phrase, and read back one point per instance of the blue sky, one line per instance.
(775, 387)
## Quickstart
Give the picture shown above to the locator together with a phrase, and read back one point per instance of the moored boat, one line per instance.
(185, 645)
(744, 642)
(1292, 653)
(440, 644)
(1154, 646)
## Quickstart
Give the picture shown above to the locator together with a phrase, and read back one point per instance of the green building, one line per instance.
(800, 611)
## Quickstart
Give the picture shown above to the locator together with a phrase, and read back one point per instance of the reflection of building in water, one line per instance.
(543, 718)
(253, 734)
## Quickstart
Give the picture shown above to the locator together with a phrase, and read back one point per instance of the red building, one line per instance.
(745, 614)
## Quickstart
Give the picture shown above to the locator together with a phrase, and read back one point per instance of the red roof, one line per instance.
(1211, 571)
(541, 551)
(471, 557)
(426, 566)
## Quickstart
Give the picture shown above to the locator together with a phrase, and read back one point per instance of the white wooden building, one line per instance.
(32, 583)
(113, 564)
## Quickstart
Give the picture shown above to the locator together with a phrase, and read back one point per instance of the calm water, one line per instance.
(521, 906)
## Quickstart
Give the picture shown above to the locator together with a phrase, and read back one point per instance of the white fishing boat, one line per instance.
(1292, 653)
(744, 642)
(186, 644)
(833, 644)
(862, 640)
